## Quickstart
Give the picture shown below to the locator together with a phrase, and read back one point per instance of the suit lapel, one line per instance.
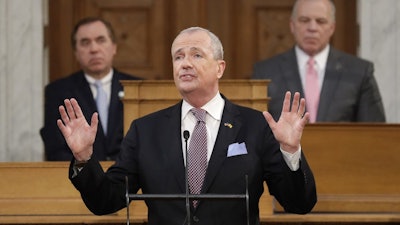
(333, 73)
(113, 117)
(291, 73)
(228, 130)
(174, 140)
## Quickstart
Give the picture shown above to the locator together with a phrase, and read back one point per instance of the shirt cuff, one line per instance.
(292, 160)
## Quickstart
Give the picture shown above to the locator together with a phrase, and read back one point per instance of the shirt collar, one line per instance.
(214, 107)
(321, 58)
(104, 80)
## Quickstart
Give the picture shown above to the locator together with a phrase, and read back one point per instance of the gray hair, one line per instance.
(333, 9)
(216, 45)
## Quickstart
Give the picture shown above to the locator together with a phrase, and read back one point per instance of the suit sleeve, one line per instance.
(370, 106)
(294, 190)
(105, 192)
(297, 192)
(101, 194)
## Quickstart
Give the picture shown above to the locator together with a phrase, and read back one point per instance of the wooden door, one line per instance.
(250, 30)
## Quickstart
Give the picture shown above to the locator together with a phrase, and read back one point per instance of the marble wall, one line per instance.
(23, 67)
(21, 80)
(379, 42)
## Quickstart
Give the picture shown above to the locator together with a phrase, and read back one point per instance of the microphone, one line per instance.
(186, 136)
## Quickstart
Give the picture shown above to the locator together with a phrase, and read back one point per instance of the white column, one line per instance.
(379, 42)
(21, 80)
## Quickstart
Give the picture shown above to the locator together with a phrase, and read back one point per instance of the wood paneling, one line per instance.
(355, 167)
(250, 30)
(140, 99)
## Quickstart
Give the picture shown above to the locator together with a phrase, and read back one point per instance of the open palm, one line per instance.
(78, 134)
(289, 128)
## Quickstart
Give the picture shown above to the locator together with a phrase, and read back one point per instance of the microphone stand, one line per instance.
(127, 200)
(186, 135)
(187, 195)
(190, 196)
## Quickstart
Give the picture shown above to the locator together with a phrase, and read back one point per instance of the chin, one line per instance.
(186, 87)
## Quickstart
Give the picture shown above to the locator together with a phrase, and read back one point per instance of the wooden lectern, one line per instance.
(142, 97)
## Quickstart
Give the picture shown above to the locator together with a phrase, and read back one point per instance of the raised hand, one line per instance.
(289, 128)
(78, 134)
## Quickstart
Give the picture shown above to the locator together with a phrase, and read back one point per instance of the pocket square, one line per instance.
(237, 149)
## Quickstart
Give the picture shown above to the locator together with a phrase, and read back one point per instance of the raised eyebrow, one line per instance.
(196, 49)
(193, 49)
(179, 50)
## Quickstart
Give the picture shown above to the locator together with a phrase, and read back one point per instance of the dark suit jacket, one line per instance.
(152, 159)
(349, 92)
(76, 86)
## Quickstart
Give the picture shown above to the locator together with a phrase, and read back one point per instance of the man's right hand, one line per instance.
(78, 134)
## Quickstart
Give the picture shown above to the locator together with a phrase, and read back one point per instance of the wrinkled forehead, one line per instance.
(197, 40)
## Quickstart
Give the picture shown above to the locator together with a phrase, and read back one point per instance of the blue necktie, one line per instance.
(102, 105)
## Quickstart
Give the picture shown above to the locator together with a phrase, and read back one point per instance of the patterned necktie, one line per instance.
(102, 105)
(197, 154)
(312, 90)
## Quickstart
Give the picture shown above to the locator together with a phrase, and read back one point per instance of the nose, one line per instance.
(94, 46)
(186, 62)
(312, 25)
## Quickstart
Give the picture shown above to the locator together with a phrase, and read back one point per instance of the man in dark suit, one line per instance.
(348, 89)
(93, 41)
(239, 141)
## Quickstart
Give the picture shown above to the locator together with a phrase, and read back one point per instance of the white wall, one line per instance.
(379, 42)
(21, 79)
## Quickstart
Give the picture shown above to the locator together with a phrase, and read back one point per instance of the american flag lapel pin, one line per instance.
(228, 125)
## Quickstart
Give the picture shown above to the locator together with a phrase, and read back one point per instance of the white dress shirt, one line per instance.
(214, 110)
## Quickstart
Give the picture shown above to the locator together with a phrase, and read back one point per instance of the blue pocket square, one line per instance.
(237, 149)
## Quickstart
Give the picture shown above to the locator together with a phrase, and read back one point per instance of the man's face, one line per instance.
(196, 72)
(312, 25)
(94, 49)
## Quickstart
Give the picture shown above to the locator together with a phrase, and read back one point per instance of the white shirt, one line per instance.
(214, 110)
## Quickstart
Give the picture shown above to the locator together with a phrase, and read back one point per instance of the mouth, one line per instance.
(311, 39)
(186, 76)
(95, 60)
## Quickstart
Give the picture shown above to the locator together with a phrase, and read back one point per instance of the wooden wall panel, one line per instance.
(61, 22)
(250, 30)
(264, 32)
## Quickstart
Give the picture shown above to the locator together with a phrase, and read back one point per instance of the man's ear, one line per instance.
(291, 25)
(221, 68)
